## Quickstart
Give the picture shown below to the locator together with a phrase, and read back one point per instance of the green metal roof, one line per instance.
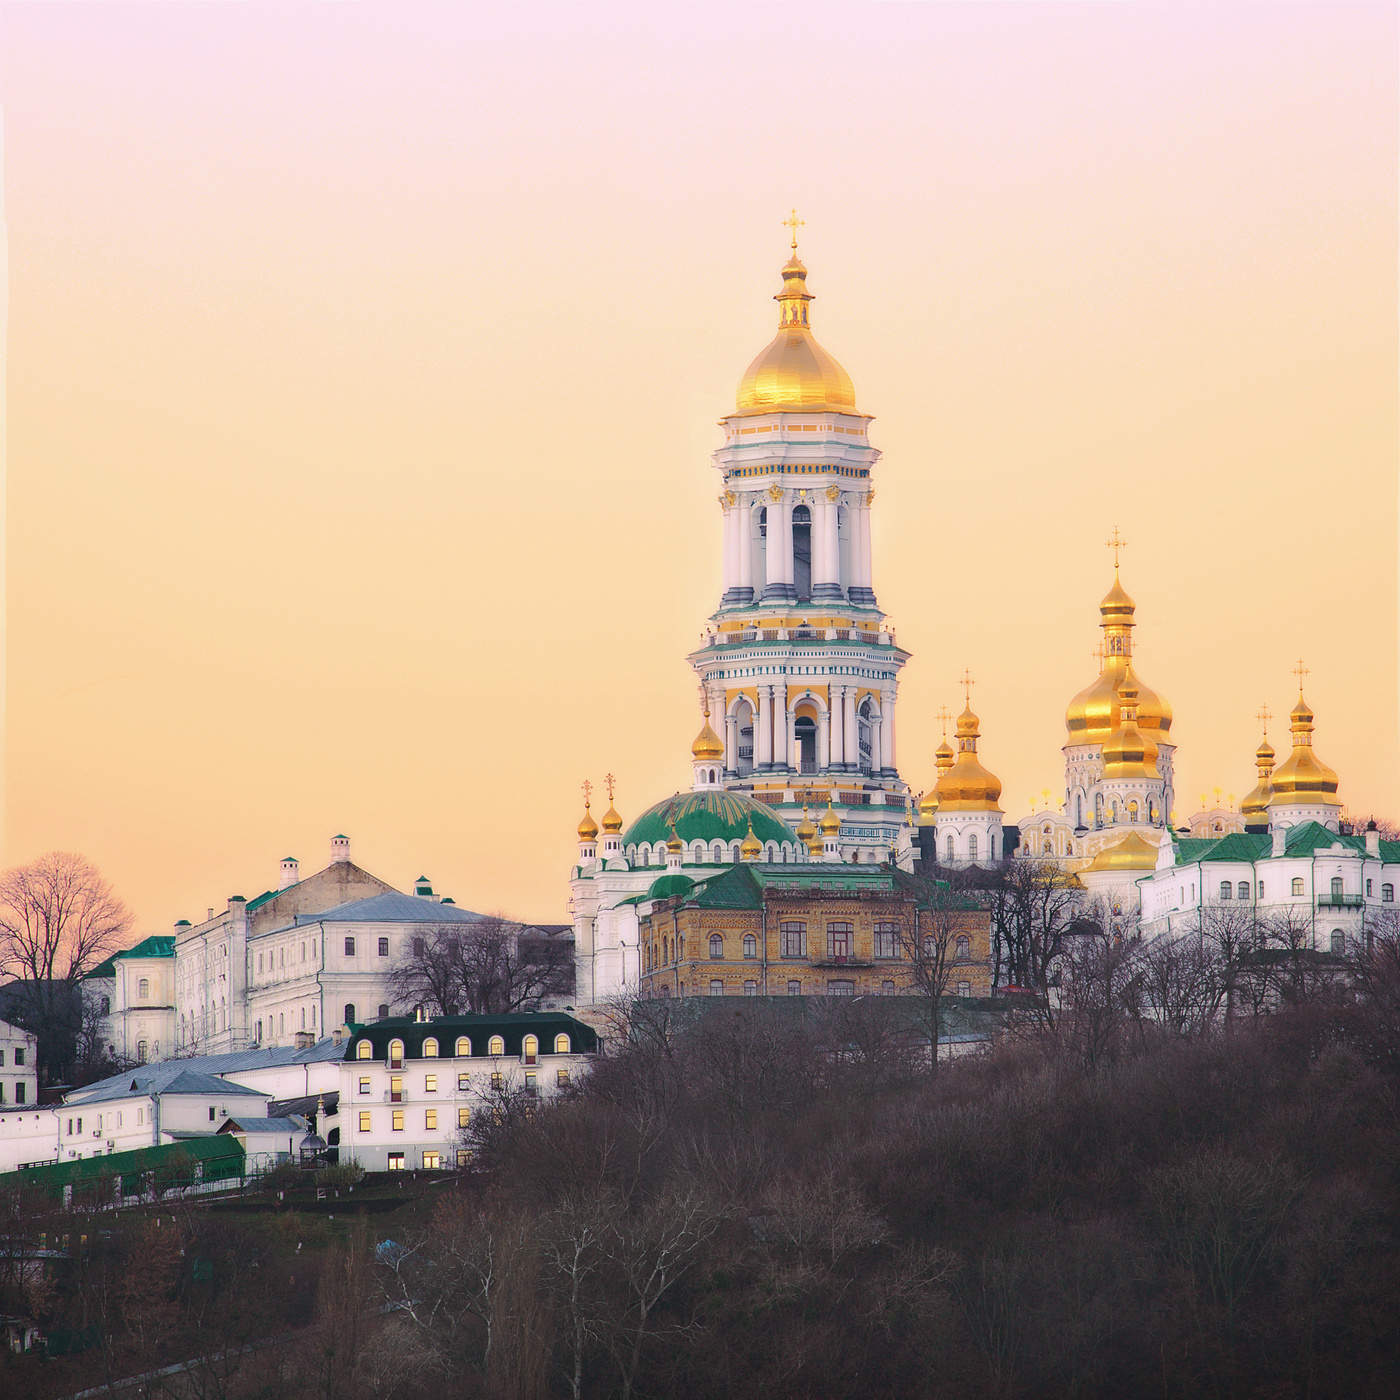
(668, 886)
(744, 886)
(220, 1158)
(158, 945)
(708, 816)
(735, 888)
(1249, 846)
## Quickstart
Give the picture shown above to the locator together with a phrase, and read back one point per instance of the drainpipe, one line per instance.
(763, 941)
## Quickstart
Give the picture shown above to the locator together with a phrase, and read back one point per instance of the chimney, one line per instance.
(1373, 840)
(423, 887)
(1279, 835)
(338, 1035)
(303, 1040)
(289, 872)
(340, 850)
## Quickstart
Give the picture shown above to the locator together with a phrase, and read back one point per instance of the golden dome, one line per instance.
(752, 847)
(1131, 853)
(1302, 778)
(1129, 753)
(966, 786)
(612, 820)
(806, 831)
(1093, 714)
(675, 845)
(708, 745)
(830, 823)
(587, 828)
(794, 372)
(1255, 807)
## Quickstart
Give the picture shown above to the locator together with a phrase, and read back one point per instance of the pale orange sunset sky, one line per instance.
(364, 363)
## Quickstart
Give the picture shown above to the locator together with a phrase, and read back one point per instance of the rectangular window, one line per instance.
(211, 1112)
(432, 1161)
(349, 947)
(430, 1119)
(794, 989)
(464, 1081)
(561, 1077)
(532, 1085)
(498, 1081)
(396, 1088)
(840, 989)
(364, 1120)
(19, 1095)
(793, 939)
(464, 1156)
(430, 1084)
(396, 1161)
(2, 1059)
(464, 1117)
(1387, 894)
(383, 947)
(397, 1123)
(886, 940)
(838, 940)
(364, 1084)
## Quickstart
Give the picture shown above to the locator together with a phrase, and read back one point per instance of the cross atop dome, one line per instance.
(1115, 542)
(793, 223)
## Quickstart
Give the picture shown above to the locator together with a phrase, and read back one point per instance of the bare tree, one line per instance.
(927, 945)
(1232, 936)
(1033, 905)
(58, 919)
(1101, 983)
(490, 967)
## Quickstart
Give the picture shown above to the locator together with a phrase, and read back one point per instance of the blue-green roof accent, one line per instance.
(158, 945)
(708, 816)
(220, 1158)
(1247, 847)
(744, 886)
(668, 886)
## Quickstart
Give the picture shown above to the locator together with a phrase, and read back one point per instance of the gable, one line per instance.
(339, 883)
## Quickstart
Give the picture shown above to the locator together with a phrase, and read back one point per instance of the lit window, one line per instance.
(716, 946)
(432, 1161)
(430, 1049)
(496, 1045)
(365, 1084)
(396, 1123)
(498, 1080)
(716, 987)
(750, 946)
(464, 1117)
(396, 1088)
(430, 1118)
(396, 1054)
(430, 1084)
(531, 1049)
(464, 1156)
(464, 1081)
(1297, 887)
(561, 1078)
(364, 1050)
(395, 1161)
(464, 1046)
(562, 1045)
(364, 1120)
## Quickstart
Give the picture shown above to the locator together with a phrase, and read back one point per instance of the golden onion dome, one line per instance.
(1302, 778)
(587, 828)
(751, 847)
(928, 806)
(708, 745)
(1132, 853)
(612, 820)
(675, 845)
(1129, 753)
(806, 830)
(793, 371)
(1255, 807)
(830, 823)
(966, 786)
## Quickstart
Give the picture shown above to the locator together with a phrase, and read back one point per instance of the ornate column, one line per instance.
(742, 512)
(823, 741)
(861, 588)
(887, 764)
(852, 738)
(826, 546)
(779, 586)
(877, 729)
(731, 743)
(837, 726)
(763, 730)
(780, 727)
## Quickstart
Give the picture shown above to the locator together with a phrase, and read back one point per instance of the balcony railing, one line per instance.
(842, 960)
(1339, 901)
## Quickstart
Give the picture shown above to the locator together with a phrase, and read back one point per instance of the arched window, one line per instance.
(1297, 886)
(717, 853)
(383, 1010)
(963, 947)
(1132, 811)
(716, 987)
(794, 988)
(750, 988)
(948, 848)
(531, 1049)
(349, 1013)
(716, 946)
(743, 724)
(303, 1017)
(1336, 887)
(1226, 889)
(141, 1051)
(770, 853)
(496, 1045)
(802, 552)
(281, 1022)
(143, 989)
(430, 1048)
(561, 1044)
(396, 1054)
(750, 946)
(1242, 889)
(972, 847)
(364, 1050)
(805, 732)
(697, 852)
(887, 989)
(1339, 941)
(644, 855)
(865, 730)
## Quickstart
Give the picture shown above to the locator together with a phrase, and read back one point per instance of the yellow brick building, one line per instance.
(780, 930)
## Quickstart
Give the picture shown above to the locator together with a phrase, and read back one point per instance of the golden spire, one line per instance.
(674, 842)
(612, 821)
(587, 827)
(708, 746)
(965, 785)
(1302, 778)
(752, 847)
(830, 823)
(807, 832)
(1255, 807)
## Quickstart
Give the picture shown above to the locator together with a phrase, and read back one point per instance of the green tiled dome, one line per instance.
(708, 816)
(665, 886)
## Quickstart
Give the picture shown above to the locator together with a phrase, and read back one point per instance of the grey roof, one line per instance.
(306, 1104)
(264, 1057)
(264, 1125)
(171, 1077)
(391, 907)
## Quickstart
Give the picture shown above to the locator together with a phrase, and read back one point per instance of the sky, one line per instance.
(364, 363)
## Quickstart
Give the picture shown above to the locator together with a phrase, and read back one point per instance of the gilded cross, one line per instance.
(587, 791)
(944, 716)
(967, 684)
(610, 782)
(1115, 542)
(793, 223)
(1264, 716)
(1300, 671)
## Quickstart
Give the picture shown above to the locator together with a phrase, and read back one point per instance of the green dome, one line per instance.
(666, 886)
(708, 816)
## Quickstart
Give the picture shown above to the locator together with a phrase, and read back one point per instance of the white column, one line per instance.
(887, 731)
(731, 548)
(763, 730)
(852, 741)
(837, 725)
(823, 742)
(780, 726)
(743, 530)
(826, 550)
(877, 727)
(731, 743)
(780, 543)
(863, 574)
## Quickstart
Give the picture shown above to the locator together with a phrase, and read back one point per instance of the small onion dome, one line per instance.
(830, 823)
(668, 886)
(675, 845)
(806, 831)
(1302, 778)
(967, 786)
(1131, 853)
(612, 820)
(928, 807)
(708, 745)
(1129, 753)
(1255, 807)
(587, 828)
(1117, 604)
(793, 371)
(752, 847)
